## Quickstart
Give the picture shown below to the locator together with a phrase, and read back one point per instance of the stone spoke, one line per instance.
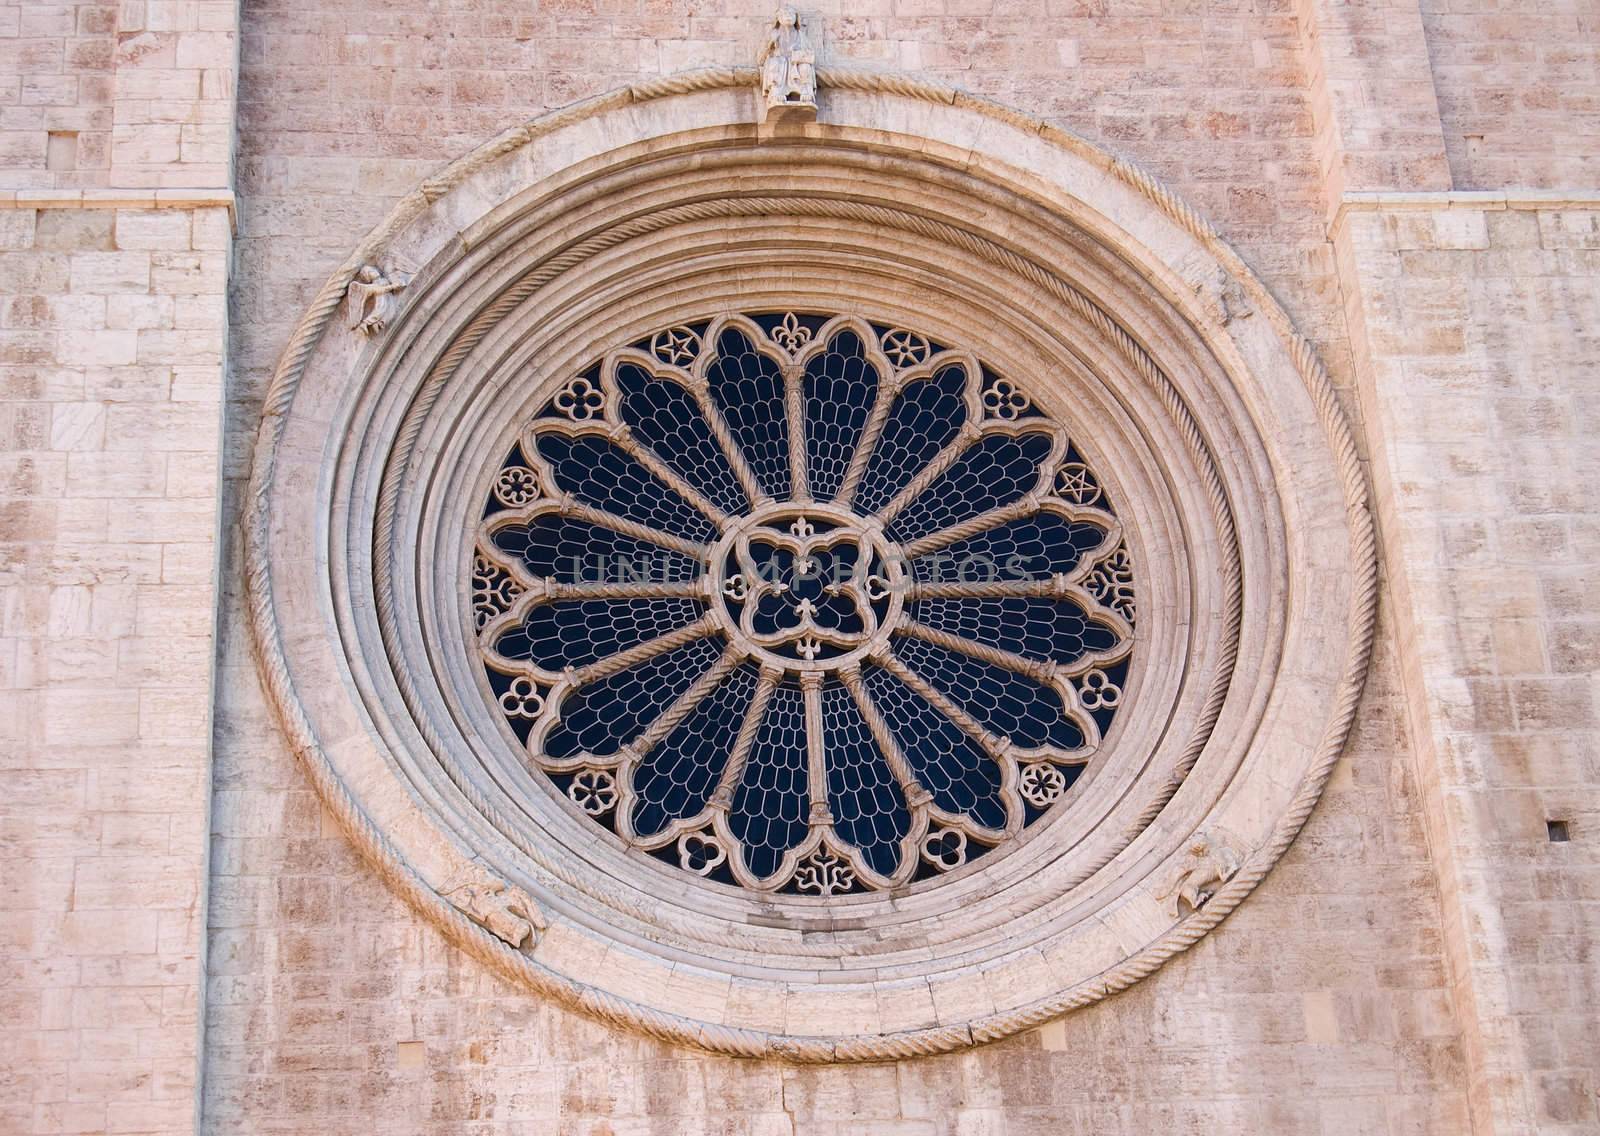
(816, 753)
(1059, 586)
(877, 419)
(572, 507)
(992, 745)
(622, 660)
(733, 772)
(794, 404)
(916, 795)
(630, 444)
(1025, 506)
(1041, 671)
(723, 433)
(970, 432)
(552, 591)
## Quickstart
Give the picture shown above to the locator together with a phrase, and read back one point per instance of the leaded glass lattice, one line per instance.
(803, 603)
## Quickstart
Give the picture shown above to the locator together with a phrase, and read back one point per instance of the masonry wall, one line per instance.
(115, 240)
(1421, 961)
(1464, 237)
(1322, 1005)
(57, 77)
(1476, 336)
(136, 94)
(111, 355)
(1519, 91)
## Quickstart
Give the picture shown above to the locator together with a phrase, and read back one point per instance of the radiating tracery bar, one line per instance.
(775, 461)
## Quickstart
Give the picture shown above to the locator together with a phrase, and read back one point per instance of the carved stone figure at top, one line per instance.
(370, 302)
(788, 69)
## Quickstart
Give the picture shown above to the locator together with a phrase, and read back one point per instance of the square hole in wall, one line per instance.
(409, 1054)
(1557, 831)
(61, 150)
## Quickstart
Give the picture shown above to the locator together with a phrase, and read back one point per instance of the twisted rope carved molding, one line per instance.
(515, 965)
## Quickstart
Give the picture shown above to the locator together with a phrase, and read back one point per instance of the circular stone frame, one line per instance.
(1172, 368)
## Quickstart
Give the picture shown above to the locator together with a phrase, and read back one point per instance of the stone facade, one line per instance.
(190, 943)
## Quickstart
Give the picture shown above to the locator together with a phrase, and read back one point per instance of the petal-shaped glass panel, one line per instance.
(577, 633)
(841, 386)
(1006, 703)
(604, 716)
(570, 551)
(1033, 548)
(666, 418)
(992, 472)
(1047, 630)
(771, 804)
(599, 473)
(748, 388)
(949, 764)
(868, 805)
(925, 418)
(677, 778)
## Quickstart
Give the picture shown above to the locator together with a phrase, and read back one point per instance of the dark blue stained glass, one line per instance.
(676, 779)
(840, 387)
(1052, 631)
(579, 632)
(770, 806)
(747, 388)
(602, 717)
(667, 419)
(868, 806)
(948, 763)
(1033, 548)
(925, 418)
(599, 473)
(992, 472)
(1009, 704)
(573, 551)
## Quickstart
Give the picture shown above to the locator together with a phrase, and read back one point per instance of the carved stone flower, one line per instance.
(804, 603)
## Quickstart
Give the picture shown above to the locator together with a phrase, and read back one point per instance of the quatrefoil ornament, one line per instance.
(809, 588)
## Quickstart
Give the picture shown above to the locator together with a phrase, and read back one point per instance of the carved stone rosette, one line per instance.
(861, 589)
(680, 772)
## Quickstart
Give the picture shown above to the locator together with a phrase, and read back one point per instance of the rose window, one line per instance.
(803, 603)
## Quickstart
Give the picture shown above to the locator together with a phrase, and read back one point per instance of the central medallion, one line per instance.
(809, 587)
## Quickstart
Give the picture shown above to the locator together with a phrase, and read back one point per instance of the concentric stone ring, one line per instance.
(421, 664)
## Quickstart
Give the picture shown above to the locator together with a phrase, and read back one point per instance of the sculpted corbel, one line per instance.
(370, 302)
(1210, 862)
(788, 70)
(506, 912)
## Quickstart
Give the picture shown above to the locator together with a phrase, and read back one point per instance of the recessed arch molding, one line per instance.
(1241, 536)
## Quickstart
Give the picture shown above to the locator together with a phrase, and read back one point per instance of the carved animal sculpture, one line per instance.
(1210, 863)
(508, 913)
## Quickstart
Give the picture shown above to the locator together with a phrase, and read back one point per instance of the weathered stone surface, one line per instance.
(1479, 422)
(1421, 960)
